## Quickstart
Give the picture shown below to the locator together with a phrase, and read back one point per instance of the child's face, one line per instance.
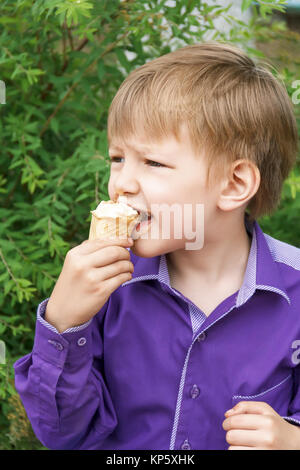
(179, 180)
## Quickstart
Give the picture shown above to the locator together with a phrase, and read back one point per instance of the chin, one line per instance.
(146, 248)
(150, 248)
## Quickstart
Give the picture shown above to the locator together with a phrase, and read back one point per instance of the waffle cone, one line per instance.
(112, 227)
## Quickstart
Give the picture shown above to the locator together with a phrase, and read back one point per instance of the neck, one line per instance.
(224, 253)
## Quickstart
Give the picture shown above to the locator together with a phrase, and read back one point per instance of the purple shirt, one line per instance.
(151, 371)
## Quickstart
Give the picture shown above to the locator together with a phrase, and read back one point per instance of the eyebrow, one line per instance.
(142, 149)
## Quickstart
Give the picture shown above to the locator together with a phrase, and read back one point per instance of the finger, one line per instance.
(113, 283)
(244, 421)
(90, 246)
(107, 256)
(244, 437)
(116, 268)
(253, 407)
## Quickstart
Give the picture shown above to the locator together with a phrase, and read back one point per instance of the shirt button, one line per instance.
(201, 337)
(185, 445)
(56, 344)
(81, 341)
(195, 391)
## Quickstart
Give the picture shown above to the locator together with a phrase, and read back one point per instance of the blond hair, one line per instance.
(233, 109)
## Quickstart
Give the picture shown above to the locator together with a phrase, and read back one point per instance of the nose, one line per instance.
(125, 181)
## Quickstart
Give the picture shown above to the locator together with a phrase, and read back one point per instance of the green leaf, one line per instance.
(8, 286)
(61, 206)
(54, 125)
(100, 69)
(82, 197)
(246, 4)
(35, 167)
(123, 59)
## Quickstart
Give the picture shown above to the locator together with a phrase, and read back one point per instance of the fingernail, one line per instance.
(228, 412)
(130, 241)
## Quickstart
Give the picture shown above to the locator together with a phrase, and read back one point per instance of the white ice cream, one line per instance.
(114, 210)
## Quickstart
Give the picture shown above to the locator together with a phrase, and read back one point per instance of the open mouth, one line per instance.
(143, 216)
(142, 222)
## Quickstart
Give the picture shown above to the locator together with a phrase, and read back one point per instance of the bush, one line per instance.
(62, 62)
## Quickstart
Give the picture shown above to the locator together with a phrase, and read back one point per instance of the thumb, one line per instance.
(253, 407)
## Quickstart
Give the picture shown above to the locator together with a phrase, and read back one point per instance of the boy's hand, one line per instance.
(255, 425)
(91, 272)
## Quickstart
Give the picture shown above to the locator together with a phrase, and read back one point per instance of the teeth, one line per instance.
(144, 216)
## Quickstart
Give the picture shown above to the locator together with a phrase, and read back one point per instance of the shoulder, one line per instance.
(283, 252)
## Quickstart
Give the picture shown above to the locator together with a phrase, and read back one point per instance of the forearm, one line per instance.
(62, 393)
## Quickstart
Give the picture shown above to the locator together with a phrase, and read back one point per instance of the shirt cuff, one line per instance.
(74, 344)
(294, 419)
(57, 349)
(40, 317)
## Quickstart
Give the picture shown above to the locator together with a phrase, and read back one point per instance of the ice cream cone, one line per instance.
(113, 223)
(109, 227)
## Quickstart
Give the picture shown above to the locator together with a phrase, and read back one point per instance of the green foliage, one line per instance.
(62, 61)
(265, 6)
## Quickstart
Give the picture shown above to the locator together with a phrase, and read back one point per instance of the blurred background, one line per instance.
(61, 62)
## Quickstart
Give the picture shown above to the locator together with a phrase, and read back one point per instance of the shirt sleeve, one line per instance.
(62, 387)
(41, 314)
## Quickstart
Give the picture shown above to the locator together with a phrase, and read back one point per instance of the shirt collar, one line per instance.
(262, 271)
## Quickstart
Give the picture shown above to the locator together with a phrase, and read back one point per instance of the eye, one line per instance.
(113, 159)
(148, 162)
(155, 163)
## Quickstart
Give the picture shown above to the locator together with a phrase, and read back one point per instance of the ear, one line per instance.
(240, 185)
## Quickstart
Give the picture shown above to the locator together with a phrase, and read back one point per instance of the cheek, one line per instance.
(110, 188)
(162, 192)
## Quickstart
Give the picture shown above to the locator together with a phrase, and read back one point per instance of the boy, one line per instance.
(163, 347)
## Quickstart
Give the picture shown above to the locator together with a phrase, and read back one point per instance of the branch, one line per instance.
(72, 88)
(64, 45)
(10, 272)
(82, 44)
(65, 64)
(66, 61)
(45, 273)
(70, 38)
